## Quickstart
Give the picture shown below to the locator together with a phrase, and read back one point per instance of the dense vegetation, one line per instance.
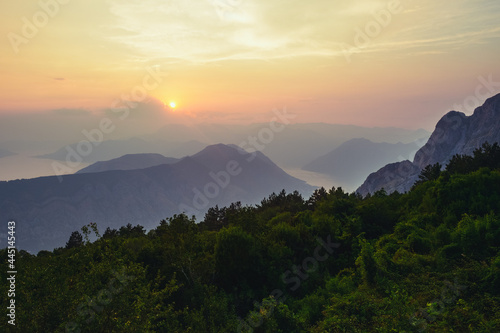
(427, 260)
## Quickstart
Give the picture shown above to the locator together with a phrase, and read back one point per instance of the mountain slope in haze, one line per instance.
(46, 211)
(289, 146)
(455, 133)
(129, 162)
(257, 170)
(354, 160)
(294, 145)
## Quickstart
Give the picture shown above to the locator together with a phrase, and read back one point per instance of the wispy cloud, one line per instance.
(191, 31)
(250, 55)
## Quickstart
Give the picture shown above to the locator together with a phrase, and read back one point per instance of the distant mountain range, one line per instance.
(111, 149)
(294, 146)
(455, 133)
(47, 210)
(354, 160)
(129, 162)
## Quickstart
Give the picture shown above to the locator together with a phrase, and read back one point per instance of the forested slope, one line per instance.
(427, 260)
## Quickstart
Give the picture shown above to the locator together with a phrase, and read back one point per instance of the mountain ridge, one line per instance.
(455, 133)
(129, 162)
(47, 211)
(352, 162)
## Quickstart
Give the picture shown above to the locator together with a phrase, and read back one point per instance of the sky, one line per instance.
(365, 62)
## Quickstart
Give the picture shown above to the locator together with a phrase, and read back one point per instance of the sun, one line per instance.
(172, 105)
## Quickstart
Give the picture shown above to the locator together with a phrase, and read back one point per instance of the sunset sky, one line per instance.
(227, 61)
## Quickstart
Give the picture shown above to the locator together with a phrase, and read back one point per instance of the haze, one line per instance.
(67, 64)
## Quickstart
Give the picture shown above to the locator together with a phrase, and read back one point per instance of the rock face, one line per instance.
(392, 177)
(47, 211)
(455, 133)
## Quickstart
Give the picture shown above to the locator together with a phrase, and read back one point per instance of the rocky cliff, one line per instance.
(455, 133)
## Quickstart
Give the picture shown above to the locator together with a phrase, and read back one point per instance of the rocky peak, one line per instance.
(448, 135)
(455, 133)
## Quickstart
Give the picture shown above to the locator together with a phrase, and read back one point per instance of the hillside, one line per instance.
(47, 210)
(129, 162)
(427, 260)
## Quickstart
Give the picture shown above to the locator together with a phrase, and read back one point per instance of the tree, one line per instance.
(130, 231)
(75, 240)
(317, 196)
(237, 258)
(430, 172)
(292, 202)
(214, 218)
(485, 156)
(366, 263)
(110, 233)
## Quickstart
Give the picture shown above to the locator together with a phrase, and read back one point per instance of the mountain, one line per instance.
(455, 133)
(112, 149)
(289, 145)
(46, 210)
(440, 266)
(294, 145)
(5, 153)
(129, 162)
(354, 160)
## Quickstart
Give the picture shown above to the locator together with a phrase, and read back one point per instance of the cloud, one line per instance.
(238, 57)
(197, 32)
(193, 31)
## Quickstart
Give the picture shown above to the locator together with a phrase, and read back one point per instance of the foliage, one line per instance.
(426, 260)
